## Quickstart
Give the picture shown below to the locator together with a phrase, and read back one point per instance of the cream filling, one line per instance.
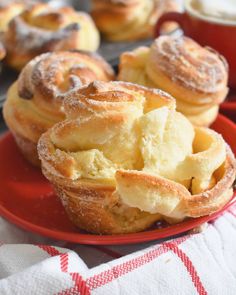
(161, 143)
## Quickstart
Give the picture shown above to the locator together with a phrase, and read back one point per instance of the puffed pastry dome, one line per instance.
(125, 158)
(195, 76)
(128, 20)
(34, 101)
(41, 28)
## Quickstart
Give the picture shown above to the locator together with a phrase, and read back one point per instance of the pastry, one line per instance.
(126, 20)
(196, 76)
(34, 101)
(9, 9)
(42, 28)
(121, 160)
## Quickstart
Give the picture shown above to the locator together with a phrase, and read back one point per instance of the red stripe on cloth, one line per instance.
(80, 284)
(64, 261)
(119, 270)
(108, 251)
(50, 250)
(64, 257)
(85, 286)
(70, 291)
(189, 266)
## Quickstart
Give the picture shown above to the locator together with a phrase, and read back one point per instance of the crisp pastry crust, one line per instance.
(196, 76)
(28, 148)
(34, 101)
(120, 20)
(41, 28)
(121, 161)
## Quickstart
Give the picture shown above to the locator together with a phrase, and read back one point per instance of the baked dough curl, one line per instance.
(196, 76)
(34, 101)
(124, 159)
(127, 20)
(42, 28)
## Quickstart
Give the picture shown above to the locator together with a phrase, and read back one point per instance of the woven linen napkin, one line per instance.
(203, 263)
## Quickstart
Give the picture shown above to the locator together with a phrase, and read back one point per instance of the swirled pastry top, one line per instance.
(52, 75)
(130, 19)
(42, 28)
(131, 138)
(34, 101)
(190, 64)
(115, 97)
(196, 76)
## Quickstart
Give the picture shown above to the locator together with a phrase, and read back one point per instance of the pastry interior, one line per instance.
(124, 158)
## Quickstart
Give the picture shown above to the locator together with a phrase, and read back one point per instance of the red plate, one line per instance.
(27, 200)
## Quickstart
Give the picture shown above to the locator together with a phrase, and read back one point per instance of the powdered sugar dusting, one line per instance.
(29, 38)
(56, 75)
(186, 62)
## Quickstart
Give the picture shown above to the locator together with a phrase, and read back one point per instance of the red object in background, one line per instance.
(220, 36)
(27, 200)
(228, 108)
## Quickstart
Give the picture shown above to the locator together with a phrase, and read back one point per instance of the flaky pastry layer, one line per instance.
(130, 19)
(41, 28)
(34, 101)
(196, 76)
(124, 158)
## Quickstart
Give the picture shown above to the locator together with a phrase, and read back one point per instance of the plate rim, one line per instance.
(123, 239)
(229, 106)
(131, 238)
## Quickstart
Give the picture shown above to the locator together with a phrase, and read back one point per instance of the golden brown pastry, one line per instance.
(124, 158)
(196, 76)
(42, 28)
(126, 20)
(9, 9)
(34, 101)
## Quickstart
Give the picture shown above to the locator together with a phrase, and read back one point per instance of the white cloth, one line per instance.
(203, 263)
